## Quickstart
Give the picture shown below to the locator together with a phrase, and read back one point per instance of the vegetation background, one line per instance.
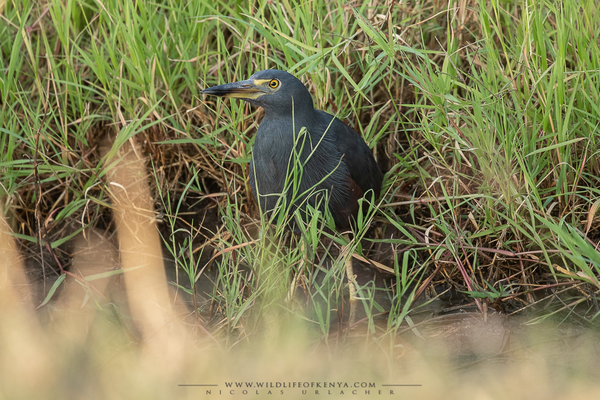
(485, 116)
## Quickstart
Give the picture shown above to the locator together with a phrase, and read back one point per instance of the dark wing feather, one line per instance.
(358, 157)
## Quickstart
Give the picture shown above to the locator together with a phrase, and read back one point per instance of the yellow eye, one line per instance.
(274, 83)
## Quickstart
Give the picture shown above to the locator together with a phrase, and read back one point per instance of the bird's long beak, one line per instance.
(247, 89)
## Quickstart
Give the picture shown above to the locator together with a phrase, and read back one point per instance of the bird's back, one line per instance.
(357, 156)
(334, 159)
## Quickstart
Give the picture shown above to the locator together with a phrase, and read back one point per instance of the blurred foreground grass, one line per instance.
(485, 116)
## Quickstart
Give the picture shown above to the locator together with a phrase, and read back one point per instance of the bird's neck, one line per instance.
(296, 107)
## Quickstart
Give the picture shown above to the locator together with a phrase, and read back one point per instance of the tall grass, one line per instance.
(485, 116)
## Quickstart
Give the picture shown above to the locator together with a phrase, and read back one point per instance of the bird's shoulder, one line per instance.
(348, 141)
(356, 153)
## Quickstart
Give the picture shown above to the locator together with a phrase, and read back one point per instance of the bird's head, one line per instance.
(274, 90)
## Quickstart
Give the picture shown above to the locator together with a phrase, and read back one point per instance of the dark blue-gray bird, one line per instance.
(336, 160)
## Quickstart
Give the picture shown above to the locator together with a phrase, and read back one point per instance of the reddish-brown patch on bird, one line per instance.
(350, 209)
